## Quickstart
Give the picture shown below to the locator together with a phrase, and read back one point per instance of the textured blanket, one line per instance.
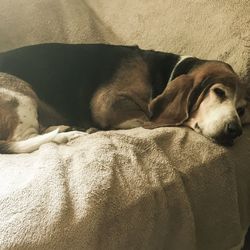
(167, 188)
(137, 189)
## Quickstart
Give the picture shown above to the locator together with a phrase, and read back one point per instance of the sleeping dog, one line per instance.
(113, 87)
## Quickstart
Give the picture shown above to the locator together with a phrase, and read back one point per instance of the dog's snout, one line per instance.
(233, 130)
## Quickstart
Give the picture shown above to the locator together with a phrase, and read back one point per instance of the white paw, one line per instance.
(65, 137)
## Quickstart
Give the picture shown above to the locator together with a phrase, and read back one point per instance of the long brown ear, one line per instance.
(171, 107)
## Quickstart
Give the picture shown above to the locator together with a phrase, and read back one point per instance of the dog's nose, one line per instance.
(233, 130)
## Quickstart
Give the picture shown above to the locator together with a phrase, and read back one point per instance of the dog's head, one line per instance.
(208, 99)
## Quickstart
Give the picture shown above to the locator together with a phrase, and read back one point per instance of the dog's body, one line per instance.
(116, 87)
(67, 76)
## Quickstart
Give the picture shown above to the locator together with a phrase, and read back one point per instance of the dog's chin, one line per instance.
(220, 140)
(224, 142)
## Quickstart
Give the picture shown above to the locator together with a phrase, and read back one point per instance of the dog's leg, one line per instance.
(61, 128)
(35, 141)
(92, 130)
(65, 133)
(132, 123)
(65, 137)
(119, 112)
(26, 137)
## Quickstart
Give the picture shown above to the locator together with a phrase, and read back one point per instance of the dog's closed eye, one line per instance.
(219, 92)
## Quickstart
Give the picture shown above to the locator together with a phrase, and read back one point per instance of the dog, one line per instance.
(113, 87)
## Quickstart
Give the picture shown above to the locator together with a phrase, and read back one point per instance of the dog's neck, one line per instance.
(176, 67)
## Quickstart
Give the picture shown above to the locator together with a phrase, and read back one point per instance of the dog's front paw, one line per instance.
(152, 125)
(67, 136)
(92, 130)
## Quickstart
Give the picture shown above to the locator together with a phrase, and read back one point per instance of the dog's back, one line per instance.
(65, 76)
(57, 71)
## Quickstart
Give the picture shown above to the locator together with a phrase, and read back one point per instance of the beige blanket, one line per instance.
(167, 188)
(137, 189)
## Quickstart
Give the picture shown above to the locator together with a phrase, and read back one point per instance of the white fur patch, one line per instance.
(27, 113)
(26, 136)
(214, 115)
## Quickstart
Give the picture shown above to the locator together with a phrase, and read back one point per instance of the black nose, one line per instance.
(233, 130)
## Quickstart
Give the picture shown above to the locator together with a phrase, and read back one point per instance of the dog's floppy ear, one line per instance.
(171, 106)
(180, 97)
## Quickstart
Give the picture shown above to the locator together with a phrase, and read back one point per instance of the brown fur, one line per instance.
(125, 101)
(125, 98)
(171, 108)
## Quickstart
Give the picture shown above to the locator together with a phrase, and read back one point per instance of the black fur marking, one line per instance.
(160, 66)
(186, 66)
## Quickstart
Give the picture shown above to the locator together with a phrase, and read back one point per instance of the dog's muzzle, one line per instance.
(231, 132)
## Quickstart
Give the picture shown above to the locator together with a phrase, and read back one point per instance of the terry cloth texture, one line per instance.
(167, 188)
